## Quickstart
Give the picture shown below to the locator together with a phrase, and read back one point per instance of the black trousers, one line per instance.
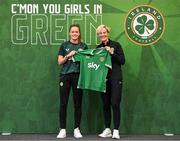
(112, 98)
(67, 82)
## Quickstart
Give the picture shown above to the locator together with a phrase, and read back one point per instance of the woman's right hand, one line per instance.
(62, 60)
(71, 54)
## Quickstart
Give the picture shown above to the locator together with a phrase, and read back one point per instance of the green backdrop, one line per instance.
(29, 98)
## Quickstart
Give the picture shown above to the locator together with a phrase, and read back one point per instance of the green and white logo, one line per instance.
(144, 25)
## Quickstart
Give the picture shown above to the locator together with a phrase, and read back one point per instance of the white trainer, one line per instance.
(106, 133)
(116, 134)
(77, 133)
(62, 134)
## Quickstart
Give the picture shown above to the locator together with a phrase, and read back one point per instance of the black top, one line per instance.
(69, 66)
(117, 59)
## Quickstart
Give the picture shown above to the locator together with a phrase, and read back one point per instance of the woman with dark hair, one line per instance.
(69, 75)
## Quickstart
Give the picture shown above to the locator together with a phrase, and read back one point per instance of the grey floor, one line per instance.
(52, 137)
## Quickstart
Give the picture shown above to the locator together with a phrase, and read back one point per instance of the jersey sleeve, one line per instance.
(61, 50)
(108, 62)
(118, 54)
(77, 57)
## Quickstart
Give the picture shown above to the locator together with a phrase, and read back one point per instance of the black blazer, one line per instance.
(117, 59)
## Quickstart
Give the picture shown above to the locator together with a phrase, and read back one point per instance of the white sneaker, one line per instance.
(62, 134)
(77, 133)
(106, 133)
(116, 134)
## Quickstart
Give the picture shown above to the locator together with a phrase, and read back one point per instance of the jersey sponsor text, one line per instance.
(93, 65)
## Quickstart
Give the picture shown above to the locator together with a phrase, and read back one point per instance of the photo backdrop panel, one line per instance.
(29, 73)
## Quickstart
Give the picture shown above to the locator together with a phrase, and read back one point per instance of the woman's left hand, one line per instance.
(111, 50)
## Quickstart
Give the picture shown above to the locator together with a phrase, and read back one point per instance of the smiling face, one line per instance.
(103, 34)
(74, 33)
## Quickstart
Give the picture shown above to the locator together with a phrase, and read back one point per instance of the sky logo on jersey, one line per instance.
(93, 65)
(144, 25)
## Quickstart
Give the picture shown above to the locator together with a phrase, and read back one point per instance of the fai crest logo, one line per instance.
(101, 59)
(144, 25)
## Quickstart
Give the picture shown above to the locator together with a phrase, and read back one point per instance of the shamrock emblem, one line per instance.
(144, 25)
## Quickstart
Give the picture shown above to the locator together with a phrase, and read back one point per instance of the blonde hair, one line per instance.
(102, 26)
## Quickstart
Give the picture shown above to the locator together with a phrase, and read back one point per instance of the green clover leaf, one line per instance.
(144, 24)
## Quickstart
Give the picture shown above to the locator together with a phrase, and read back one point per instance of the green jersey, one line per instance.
(94, 65)
(69, 66)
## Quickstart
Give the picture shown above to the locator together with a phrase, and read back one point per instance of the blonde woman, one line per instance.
(112, 97)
